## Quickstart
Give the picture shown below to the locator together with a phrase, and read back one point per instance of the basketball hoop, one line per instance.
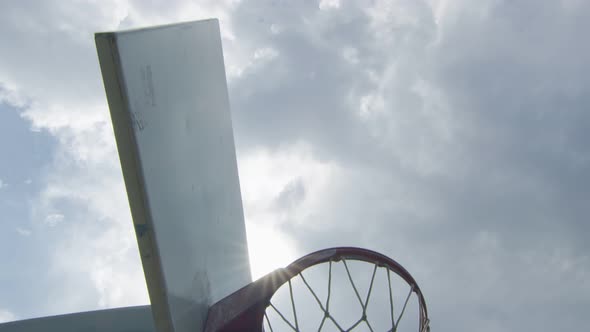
(248, 309)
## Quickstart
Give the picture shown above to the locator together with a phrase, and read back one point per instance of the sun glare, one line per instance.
(268, 250)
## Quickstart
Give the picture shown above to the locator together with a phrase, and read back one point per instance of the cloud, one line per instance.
(53, 219)
(458, 133)
(449, 136)
(23, 231)
(329, 4)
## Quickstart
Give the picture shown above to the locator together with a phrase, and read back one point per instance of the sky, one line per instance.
(449, 135)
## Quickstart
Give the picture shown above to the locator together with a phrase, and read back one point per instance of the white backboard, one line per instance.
(167, 95)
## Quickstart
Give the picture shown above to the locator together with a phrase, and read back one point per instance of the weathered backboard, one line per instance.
(167, 95)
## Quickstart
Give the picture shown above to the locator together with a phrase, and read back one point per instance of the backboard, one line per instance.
(168, 99)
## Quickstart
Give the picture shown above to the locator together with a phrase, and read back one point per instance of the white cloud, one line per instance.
(266, 176)
(54, 219)
(350, 54)
(275, 29)
(441, 133)
(265, 54)
(23, 231)
(329, 4)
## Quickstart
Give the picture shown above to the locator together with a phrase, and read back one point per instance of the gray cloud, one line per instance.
(447, 135)
(469, 164)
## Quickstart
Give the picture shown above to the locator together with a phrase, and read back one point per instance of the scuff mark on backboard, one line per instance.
(148, 85)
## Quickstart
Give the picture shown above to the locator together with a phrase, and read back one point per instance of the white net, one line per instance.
(345, 295)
